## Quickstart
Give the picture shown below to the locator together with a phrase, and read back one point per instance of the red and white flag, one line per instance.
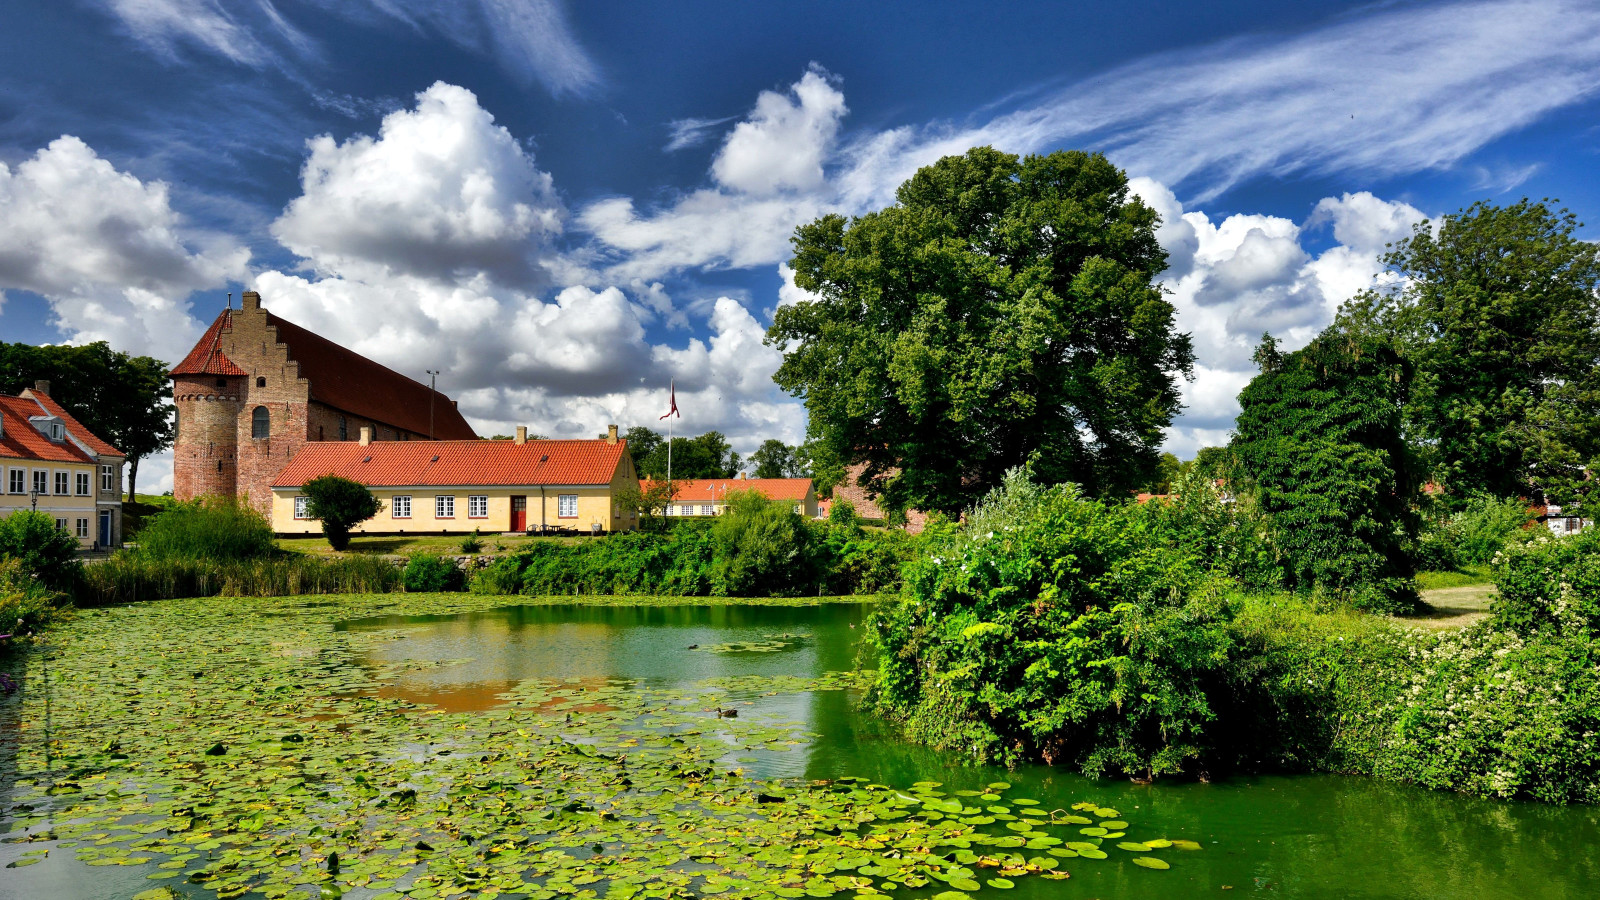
(674, 410)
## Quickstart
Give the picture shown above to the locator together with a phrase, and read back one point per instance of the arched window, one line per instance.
(260, 381)
(260, 423)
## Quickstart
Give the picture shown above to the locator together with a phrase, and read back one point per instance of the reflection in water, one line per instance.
(1303, 836)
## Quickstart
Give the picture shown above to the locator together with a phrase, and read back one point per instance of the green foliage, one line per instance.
(1002, 310)
(472, 543)
(214, 528)
(647, 501)
(26, 604)
(1549, 586)
(759, 548)
(1473, 534)
(341, 504)
(130, 577)
(40, 548)
(775, 459)
(1058, 626)
(433, 574)
(1498, 310)
(124, 400)
(1318, 443)
(706, 456)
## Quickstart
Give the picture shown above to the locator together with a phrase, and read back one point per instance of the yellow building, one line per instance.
(433, 487)
(50, 463)
(708, 496)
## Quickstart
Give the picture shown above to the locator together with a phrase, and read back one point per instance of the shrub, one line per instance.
(1054, 626)
(215, 528)
(472, 543)
(433, 574)
(341, 504)
(26, 604)
(1549, 586)
(40, 548)
(760, 548)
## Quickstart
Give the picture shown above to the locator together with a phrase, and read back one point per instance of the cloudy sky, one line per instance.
(565, 205)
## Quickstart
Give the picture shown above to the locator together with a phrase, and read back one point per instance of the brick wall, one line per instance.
(205, 454)
(850, 489)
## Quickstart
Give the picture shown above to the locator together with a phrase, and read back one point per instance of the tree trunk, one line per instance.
(133, 475)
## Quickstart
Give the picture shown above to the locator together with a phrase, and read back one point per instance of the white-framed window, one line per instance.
(477, 506)
(63, 483)
(302, 507)
(108, 478)
(444, 507)
(708, 510)
(797, 510)
(83, 484)
(61, 524)
(83, 528)
(401, 507)
(41, 481)
(17, 483)
(566, 506)
(686, 510)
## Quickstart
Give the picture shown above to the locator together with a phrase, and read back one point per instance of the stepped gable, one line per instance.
(346, 380)
(475, 463)
(207, 357)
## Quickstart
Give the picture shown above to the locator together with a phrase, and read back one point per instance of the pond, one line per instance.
(602, 706)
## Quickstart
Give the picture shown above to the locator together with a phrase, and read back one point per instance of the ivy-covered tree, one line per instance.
(1319, 446)
(341, 504)
(1003, 310)
(1499, 313)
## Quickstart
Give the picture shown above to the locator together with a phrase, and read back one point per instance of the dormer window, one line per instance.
(49, 426)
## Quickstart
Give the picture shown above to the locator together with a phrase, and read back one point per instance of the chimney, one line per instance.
(41, 387)
(611, 434)
(366, 435)
(522, 434)
(741, 476)
(250, 300)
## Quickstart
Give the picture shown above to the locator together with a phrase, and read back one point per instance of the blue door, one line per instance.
(105, 528)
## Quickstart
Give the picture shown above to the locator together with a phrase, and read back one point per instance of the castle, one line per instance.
(256, 389)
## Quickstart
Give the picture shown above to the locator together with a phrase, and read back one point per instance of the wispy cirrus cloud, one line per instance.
(531, 39)
(686, 133)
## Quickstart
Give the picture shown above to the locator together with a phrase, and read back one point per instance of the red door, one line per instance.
(519, 513)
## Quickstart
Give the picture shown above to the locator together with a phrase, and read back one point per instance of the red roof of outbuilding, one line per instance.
(457, 463)
(73, 425)
(696, 490)
(207, 357)
(22, 441)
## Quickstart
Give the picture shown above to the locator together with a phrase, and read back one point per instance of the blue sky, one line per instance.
(566, 205)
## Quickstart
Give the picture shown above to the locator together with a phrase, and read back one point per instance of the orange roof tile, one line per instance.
(73, 425)
(707, 490)
(344, 379)
(457, 463)
(207, 357)
(22, 441)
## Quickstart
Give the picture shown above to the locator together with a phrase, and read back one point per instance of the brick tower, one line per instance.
(258, 388)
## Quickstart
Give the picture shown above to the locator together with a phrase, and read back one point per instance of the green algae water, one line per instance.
(205, 750)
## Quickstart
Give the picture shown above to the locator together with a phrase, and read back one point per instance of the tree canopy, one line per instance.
(1319, 444)
(775, 459)
(125, 400)
(1499, 314)
(1003, 310)
(341, 504)
(707, 456)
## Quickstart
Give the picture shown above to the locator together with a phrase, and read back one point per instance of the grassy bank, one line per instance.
(404, 545)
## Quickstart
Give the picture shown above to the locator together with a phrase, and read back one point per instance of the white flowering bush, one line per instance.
(1549, 585)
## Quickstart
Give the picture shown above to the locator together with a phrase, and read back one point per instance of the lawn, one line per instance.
(1463, 577)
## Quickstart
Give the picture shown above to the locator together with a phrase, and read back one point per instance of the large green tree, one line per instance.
(775, 459)
(705, 456)
(1319, 446)
(1499, 313)
(125, 400)
(1002, 310)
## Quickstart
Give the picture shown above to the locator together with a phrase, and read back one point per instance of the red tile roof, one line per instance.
(22, 441)
(707, 490)
(207, 357)
(349, 381)
(83, 434)
(458, 463)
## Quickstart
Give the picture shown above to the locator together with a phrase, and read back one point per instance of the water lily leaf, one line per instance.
(1004, 884)
(1150, 862)
(1132, 847)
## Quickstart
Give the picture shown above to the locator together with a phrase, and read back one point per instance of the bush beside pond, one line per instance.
(1106, 638)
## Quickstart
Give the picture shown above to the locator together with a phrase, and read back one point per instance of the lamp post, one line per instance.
(35, 496)
(433, 376)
